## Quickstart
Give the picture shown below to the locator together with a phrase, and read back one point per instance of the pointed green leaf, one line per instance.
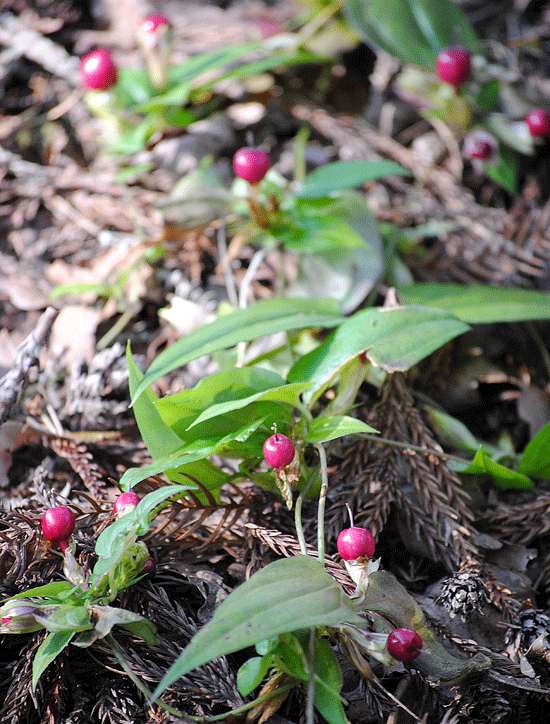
(52, 645)
(328, 682)
(49, 590)
(480, 304)
(502, 477)
(261, 319)
(341, 175)
(535, 460)
(284, 596)
(443, 23)
(393, 338)
(329, 428)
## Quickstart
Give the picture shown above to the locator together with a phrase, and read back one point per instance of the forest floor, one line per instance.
(67, 217)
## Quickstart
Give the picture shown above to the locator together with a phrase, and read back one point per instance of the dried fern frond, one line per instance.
(519, 523)
(428, 496)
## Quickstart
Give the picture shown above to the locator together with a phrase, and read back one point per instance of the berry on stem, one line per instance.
(453, 65)
(354, 543)
(125, 503)
(153, 22)
(97, 70)
(404, 644)
(538, 122)
(480, 144)
(278, 451)
(251, 164)
(58, 525)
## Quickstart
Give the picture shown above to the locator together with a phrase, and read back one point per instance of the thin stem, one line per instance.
(410, 446)
(243, 296)
(533, 331)
(298, 513)
(322, 503)
(230, 285)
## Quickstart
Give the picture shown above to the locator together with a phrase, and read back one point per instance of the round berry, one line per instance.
(125, 503)
(355, 543)
(97, 70)
(153, 22)
(538, 122)
(150, 567)
(453, 65)
(278, 451)
(404, 644)
(480, 144)
(251, 164)
(58, 524)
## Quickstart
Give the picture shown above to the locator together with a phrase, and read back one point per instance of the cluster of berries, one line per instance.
(58, 523)
(453, 66)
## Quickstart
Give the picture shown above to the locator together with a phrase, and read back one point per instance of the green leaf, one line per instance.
(49, 590)
(502, 477)
(261, 319)
(443, 23)
(329, 428)
(60, 617)
(157, 435)
(535, 460)
(52, 645)
(252, 672)
(138, 519)
(328, 682)
(480, 304)
(284, 596)
(505, 172)
(393, 338)
(342, 175)
(488, 95)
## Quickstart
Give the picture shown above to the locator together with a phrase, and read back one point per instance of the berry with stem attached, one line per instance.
(98, 70)
(251, 164)
(480, 144)
(154, 36)
(58, 525)
(125, 503)
(453, 65)
(354, 543)
(404, 644)
(278, 451)
(538, 122)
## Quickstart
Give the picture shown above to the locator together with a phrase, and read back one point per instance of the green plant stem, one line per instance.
(218, 717)
(243, 296)
(117, 327)
(310, 711)
(322, 503)
(318, 21)
(410, 446)
(533, 331)
(298, 513)
(230, 285)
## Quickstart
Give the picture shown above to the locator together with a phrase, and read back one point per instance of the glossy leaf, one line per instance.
(393, 338)
(501, 476)
(535, 460)
(252, 672)
(480, 304)
(323, 428)
(443, 23)
(242, 325)
(286, 595)
(341, 175)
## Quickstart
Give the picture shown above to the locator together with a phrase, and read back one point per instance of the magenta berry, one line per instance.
(58, 525)
(97, 70)
(278, 451)
(125, 503)
(404, 644)
(480, 144)
(538, 122)
(153, 22)
(355, 543)
(150, 567)
(251, 164)
(453, 65)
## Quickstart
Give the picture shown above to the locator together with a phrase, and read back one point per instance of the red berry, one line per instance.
(355, 543)
(153, 22)
(278, 451)
(125, 503)
(150, 567)
(404, 644)
(453, 65)
(480, 144)
(58, 524)
(97, 70)
(251, 164)
(538, 121)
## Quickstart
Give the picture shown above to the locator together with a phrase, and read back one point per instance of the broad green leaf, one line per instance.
(502, 477)
(286, 595)
(252, 672)
(454, 433)
(505, 172)
(535, 460)
(49, 590)
(157, 435)
(329, 428)
(53, 644)
(261, 319)
(341, 175)
(105, 617)
(139, 518)
(60, 617)
(317, 235)
(328, 682)
(480, 304)
(443, 23)
(393, 338)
